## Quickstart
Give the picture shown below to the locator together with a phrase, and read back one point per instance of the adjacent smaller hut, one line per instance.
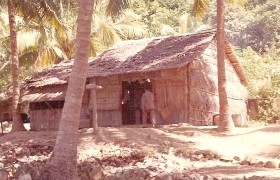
(45, 93)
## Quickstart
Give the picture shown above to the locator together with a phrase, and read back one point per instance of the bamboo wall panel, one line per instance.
(204, 97)
(109, 118)
(169, 95)
(109, 97)
(47, 119)
(85, 120)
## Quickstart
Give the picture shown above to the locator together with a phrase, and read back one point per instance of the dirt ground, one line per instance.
(246, 152)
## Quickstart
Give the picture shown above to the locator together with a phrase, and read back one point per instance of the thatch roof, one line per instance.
(157, 54)
(47, 93)
(48, 85)
(58, 74)
(151, 54)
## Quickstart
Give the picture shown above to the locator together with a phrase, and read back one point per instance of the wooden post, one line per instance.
(93, 87)
(186, 95)
(2, 127)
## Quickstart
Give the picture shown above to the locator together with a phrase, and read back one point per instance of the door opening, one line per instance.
(131, 101)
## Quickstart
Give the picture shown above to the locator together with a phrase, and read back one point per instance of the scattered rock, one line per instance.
(255, 178)
(25, 177)
(236, 158)
(4, 174)
(271, 164)
(194, 176)
(245, 162)
(258, 164)
(96, 172)
(225, 159)
(26, 168)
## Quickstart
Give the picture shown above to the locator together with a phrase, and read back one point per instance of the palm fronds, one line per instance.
(129, 26)
(49, 55)
(105, 32)
(200, 8)
(38, 12)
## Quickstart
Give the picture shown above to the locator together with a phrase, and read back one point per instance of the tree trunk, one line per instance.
(225, 121)
(63, 165)
(17, 122)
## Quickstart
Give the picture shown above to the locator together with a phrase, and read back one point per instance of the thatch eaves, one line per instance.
(234, 62)
(59, 74)
(48, 85)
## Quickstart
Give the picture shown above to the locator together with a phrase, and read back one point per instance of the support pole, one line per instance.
(93, 87)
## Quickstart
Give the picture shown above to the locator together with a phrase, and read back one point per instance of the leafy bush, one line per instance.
(262, 71)
(268, 112)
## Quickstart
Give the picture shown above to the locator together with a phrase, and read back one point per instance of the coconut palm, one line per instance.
(200, 8)
(63, 165)
(51, 42)
(17, 122)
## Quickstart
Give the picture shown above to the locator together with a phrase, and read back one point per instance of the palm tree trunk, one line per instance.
(63, 165)
(225, 123)
(17, 122)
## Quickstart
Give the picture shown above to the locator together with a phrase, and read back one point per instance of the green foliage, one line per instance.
(257, 25)
(262, 71)
(159, 14)
(268, 112)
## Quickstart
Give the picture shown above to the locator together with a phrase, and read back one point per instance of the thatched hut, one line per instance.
(181, 71)
(45, 94)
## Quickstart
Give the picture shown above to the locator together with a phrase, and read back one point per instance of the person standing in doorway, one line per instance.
(148, 106)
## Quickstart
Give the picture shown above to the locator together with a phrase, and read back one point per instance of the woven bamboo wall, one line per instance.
(204, 99)
(46, 119)
(169, 96)
(109, 97)
(109, 118)
(108, 101)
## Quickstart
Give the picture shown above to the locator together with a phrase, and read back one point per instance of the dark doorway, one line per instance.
(131, 101)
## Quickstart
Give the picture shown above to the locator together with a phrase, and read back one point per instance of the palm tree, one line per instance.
(200, 7)
(63, 165)
(17, 122)
(225, 121)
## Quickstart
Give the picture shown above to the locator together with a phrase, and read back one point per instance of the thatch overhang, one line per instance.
(234, 62)
(48, 85)
(59, 74)
(48, 93)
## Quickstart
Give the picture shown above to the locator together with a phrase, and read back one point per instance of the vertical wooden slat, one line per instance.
(186, 95)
